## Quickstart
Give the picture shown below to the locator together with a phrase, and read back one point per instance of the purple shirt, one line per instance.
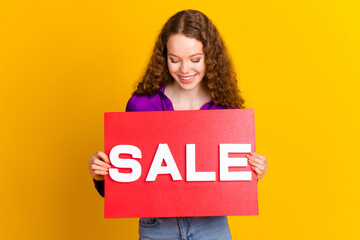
(157, 102)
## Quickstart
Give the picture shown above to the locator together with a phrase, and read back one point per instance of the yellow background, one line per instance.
(64, 63)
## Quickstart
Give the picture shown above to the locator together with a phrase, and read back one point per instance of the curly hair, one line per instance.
(219, 79)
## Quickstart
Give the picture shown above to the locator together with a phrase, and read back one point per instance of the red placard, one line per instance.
(209, 133)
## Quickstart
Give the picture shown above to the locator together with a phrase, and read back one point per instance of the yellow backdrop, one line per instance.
(64, 63)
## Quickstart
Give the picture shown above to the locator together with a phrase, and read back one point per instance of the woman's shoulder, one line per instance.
(144, 103)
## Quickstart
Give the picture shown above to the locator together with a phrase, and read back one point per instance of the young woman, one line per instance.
(188, 70)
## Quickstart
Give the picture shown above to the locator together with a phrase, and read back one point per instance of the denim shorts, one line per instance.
(184, 228)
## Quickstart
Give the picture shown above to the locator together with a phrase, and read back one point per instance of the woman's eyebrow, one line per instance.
(190, 55)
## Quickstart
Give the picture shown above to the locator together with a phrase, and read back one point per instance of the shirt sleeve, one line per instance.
(130, 107)
(99, 185)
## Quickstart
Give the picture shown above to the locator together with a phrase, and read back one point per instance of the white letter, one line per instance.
(163, 153)
(125, 163)
(226, 162)
(191, 174)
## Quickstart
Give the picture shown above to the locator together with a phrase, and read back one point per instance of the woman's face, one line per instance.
(186, 61)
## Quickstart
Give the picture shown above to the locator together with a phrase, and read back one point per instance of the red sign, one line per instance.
(180, 163)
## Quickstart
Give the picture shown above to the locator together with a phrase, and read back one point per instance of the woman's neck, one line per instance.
(183, 99)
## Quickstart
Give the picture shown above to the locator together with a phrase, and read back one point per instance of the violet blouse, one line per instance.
(157, 102)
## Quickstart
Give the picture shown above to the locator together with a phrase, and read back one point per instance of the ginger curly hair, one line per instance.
(220, 78)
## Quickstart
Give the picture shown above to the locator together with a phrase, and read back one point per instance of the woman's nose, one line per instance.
(184, 67)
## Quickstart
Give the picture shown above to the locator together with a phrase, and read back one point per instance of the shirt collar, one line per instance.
(167, 104)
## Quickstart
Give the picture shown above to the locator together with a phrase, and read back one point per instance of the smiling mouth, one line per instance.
(187, 78)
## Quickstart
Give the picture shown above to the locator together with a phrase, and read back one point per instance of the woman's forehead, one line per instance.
(181, 45)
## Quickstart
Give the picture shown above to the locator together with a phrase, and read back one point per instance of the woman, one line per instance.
(188, 70)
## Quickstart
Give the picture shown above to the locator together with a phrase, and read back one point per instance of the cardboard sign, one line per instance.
(180, 163)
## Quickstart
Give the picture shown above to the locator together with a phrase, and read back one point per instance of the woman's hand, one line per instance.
(99, 166)
(258, 163)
